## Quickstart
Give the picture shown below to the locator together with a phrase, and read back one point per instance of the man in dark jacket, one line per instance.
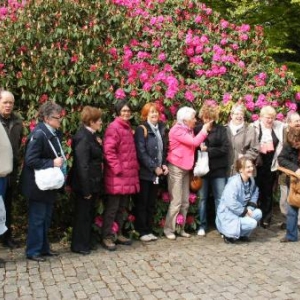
(14, 128)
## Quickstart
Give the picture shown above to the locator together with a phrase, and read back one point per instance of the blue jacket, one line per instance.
(233, 206)
(147, 150)
(38, 155)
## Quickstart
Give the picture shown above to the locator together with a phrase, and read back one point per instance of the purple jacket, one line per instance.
(121, 165)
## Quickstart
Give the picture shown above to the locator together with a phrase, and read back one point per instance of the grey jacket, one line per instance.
(244, 142)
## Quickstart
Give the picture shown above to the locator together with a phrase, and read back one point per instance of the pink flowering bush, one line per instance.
(172, 52)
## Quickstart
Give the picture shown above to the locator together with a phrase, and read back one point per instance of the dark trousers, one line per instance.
(144, 203)
(265, 180)
(115, 205)
(39, 220)
(82, 225)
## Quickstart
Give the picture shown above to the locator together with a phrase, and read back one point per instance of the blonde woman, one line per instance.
(217, 146)
(242, 138)
(270, 137)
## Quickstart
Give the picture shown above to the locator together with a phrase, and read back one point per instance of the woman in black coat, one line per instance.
(86, 177)
(40, 155)
(151, 152)
(217, 146)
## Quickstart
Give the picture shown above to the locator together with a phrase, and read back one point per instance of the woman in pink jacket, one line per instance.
(182, 145)
(120, 173)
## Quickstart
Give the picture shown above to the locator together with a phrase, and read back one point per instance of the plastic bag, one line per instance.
(201, 167)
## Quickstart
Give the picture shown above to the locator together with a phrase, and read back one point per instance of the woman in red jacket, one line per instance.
(120, 173)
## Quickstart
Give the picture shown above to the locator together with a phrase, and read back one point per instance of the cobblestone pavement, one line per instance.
(195, 268)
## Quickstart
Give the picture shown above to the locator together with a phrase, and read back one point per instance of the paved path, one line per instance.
(195, 268)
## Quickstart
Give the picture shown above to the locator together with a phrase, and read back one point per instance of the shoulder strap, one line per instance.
(145, 130)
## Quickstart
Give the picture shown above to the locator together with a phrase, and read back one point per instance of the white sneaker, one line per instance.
(185, 234)
(201, 232)
(170, 236)
(146, 238)
(153, 237)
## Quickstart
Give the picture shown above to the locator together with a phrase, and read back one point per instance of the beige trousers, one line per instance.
(179, 190)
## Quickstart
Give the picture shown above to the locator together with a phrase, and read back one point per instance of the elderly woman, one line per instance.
(121, 177)
(242, 138)
(86, 177)
(151, 152)
(237, 215)
(41, 146)
(270, 137)
(217, 146)
(182, 146)
(289, 159)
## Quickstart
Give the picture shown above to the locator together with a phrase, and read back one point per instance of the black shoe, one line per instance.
(51, 253)
(228, 240)
(82, 252)
(244, 239)
(283, 226)
(2, 263)
(36, 258)
(286, 240)
(265, 225)
(10, 243)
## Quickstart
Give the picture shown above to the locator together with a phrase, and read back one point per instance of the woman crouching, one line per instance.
(237, 215)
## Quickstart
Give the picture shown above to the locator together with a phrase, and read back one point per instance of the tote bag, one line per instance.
(201, 167)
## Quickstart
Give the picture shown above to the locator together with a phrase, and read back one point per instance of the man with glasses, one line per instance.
(14, 128)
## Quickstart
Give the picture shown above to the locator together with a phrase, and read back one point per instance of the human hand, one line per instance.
(58, 162)
(249, 212)
(165, 170)
(207, 126)
(158, 171)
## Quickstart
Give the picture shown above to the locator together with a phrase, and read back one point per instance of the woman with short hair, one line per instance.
(217, 147)
(182, 146)
(150, 145)
(242, 138)
(39, 154)
(270, 138)
(237, 214)
(86, 177)
(120, 174)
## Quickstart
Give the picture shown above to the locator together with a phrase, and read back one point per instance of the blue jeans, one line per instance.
(3, 184)
(39, 220)
(218, 185)
(292, 222)
(250, 223)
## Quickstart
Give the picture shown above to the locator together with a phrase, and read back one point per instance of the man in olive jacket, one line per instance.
(14, 128)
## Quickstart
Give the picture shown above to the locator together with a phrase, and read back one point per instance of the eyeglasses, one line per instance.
(56, 118)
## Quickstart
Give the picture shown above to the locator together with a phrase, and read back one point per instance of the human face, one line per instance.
(206, 120)
(6, 105)
(191, 122)
(153, 116)
(247, 171)
(295, 121)
(96, 125)
(237, 118)
(267, 120)
(125, 113)
(54, 120)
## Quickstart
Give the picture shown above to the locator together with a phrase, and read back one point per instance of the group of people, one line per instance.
(243, 160)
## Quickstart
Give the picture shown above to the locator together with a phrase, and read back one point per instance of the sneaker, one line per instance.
(184, 234)
(109, 244)
(153, 237)
(146, 238)
(228, 240)
(170, 235)
(201, 232)
(283, 226)
(122, 240)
